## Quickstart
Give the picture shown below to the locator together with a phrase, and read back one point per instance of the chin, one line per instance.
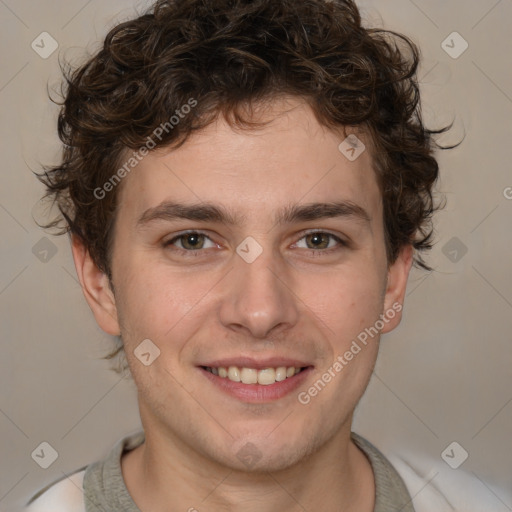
(262, 456)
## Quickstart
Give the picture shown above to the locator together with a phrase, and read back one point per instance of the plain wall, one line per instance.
(445, 374)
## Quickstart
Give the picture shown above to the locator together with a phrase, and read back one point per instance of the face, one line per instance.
(259, 253)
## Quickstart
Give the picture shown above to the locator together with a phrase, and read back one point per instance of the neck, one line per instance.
(164, 471)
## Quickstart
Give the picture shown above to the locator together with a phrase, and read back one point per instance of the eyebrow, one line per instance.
(207, 212)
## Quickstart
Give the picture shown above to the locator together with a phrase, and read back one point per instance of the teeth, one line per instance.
(252, 376)
(249, 376)
(234, 374)
(266, 376)
(280, 373)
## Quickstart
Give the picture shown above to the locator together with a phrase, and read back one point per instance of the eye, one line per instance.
(320, 240)
(191, 241)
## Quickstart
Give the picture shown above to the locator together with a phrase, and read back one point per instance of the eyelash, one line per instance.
(198, 252)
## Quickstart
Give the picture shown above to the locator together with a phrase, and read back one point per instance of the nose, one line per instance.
(258, 298)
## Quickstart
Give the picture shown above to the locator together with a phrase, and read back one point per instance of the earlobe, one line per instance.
(398, 274)
(96, 288)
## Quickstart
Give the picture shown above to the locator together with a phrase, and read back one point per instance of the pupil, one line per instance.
(192, 240)
(317, 239)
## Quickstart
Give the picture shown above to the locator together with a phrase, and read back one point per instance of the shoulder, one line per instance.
(100, 480)
(63, 495)
(434, 485)
(391, 492)
(431, 483)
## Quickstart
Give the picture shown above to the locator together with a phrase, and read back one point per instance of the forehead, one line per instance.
(291, 159)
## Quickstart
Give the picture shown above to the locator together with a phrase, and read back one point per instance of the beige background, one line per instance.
(444, 375)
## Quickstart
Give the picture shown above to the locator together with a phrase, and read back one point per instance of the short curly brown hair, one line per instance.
(227, 55)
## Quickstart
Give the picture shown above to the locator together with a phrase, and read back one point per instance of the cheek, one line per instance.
(347, 301)
(142, 298)
(352, 309)
(156, 303)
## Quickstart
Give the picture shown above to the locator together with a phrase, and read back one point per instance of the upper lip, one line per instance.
(257, 364)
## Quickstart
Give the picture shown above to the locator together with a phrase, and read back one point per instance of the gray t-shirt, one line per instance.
(105, 490)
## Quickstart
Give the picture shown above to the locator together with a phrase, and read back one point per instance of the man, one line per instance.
(246, 184)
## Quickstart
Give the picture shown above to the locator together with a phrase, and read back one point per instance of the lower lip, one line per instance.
(256, 393)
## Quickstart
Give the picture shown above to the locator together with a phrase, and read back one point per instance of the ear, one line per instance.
(96, 288)
(398, 274)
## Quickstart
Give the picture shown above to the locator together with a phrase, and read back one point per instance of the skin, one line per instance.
(295, 300)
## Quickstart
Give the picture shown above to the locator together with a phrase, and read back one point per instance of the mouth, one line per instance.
(257, 382)
(263, 377)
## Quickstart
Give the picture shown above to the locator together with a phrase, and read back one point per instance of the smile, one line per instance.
(257, 385)
(264, 377)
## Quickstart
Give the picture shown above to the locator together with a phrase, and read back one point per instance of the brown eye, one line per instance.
(318, 240)
(321, 243)
(192, 241)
